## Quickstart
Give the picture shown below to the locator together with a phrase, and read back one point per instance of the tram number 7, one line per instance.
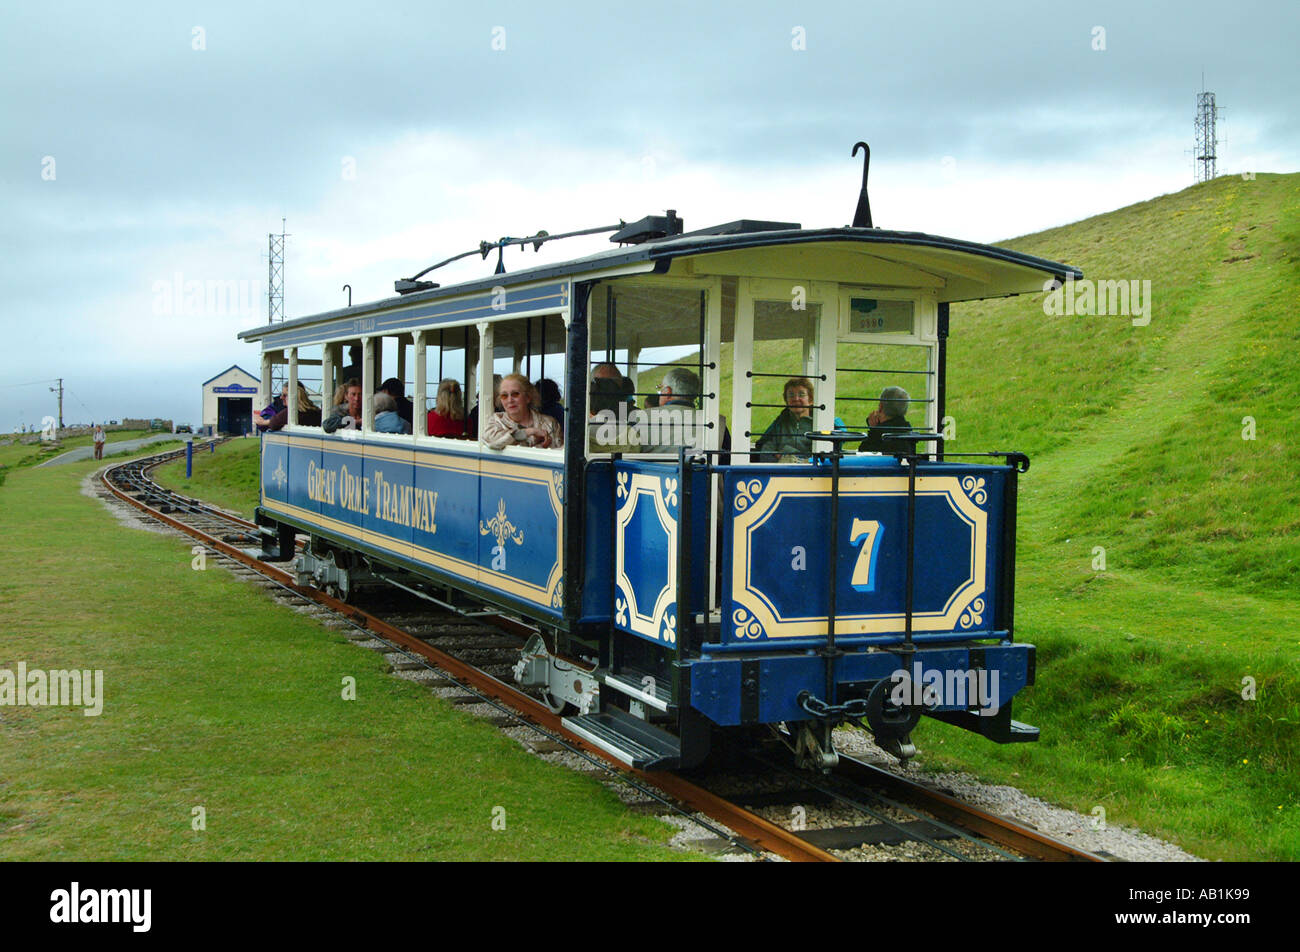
(866, 534)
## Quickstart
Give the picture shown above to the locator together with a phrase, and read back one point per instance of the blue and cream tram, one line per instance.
(682, 586)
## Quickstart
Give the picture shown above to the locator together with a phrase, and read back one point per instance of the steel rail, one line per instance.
(813, 783)
(1001, 830)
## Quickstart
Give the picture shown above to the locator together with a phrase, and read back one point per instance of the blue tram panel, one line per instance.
(776, 546)
(647, 504)
(472, 518)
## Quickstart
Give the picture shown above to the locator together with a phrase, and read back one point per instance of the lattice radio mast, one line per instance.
(1207, 139)
(275, 276)
(275, 298)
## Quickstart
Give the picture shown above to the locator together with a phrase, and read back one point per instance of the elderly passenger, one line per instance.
(888, 417)
(405, 408)
(674, 422)
(520, 422)
(387, 418)
(788, 434)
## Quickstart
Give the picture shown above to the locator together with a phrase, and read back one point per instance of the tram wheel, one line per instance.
(554, 704)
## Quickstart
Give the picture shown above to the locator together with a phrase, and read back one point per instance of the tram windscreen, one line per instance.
(864, 371)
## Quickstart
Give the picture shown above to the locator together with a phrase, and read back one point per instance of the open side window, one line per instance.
(653, 367)
(533, 346)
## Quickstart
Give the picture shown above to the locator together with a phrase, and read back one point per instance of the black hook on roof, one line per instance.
(862, 217)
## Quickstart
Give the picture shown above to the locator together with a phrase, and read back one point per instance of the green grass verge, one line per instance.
(226, 477)
(216, 697)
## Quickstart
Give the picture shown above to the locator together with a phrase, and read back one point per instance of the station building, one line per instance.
(228, 401)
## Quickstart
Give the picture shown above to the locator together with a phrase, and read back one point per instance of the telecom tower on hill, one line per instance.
(1207, 138)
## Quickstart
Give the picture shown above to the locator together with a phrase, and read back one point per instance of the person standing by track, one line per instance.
(97, 435)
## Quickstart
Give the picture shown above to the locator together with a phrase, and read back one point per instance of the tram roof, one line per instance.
(953, 269)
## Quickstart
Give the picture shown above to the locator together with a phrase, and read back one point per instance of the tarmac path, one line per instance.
(86, 452)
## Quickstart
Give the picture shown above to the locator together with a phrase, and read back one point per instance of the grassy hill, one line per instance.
(1136, 435)
(1139, 429)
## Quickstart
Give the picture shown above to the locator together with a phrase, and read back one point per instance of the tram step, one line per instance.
(628, 739)
(642, 687)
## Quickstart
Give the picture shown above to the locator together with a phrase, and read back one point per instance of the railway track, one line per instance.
(466, 655)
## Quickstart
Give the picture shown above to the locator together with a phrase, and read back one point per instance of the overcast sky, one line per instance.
(149, 144)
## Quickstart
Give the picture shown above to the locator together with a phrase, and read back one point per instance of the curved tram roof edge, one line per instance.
(659, 255)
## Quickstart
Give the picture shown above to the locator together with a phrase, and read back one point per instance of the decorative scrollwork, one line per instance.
(670, 491)
(974, 487)
(622, 484)
(280, 477)
(501, 528)
(670, 629)
(557, 480)
(557, 597)
(973, 615)
(620, 611)
(747, 626)
(747, 492)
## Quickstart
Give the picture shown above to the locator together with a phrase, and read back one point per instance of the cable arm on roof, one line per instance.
(485, 247)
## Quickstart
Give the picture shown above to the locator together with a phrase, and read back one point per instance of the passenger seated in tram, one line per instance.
(353, 369)
(548, 391)
(472, 423)
(386, 417)
(405, 408)
(888, 417)
(262, 418)
(673, 423)
(787, 438)
(625, 386)
(308, 412)
(347, 415)
(608, 423)
(520, 423)
(447, 418)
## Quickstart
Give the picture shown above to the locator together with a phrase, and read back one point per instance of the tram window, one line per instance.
(535, 347)
(647, 345)
(310, 363)
(784, 363)
(863, 371)
(450, 356)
